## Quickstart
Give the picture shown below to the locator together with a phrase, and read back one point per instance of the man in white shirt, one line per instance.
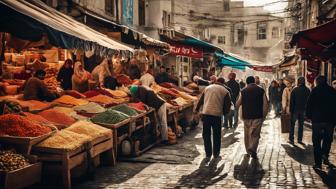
(148, 79)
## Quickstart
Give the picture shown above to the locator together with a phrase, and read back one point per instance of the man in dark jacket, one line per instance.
(298, 102)
(149, 98)
(254, 104)
(162, 76)
(235, 89)
(321, 110)
(275, 97)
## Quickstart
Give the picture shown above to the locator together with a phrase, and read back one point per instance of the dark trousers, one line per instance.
(299, 116)
(212, 123)
(322, 139)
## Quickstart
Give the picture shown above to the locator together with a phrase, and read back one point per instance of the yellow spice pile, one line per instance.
(89, 129)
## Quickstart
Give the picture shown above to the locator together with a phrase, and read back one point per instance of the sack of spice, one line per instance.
(15, 125)
(125, 109)
(89, 129)
(65, 140)
(69, 100)
(61, 120)
(91, 108)
(109, 117)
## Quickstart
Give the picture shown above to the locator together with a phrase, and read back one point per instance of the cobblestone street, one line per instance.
(280, 165)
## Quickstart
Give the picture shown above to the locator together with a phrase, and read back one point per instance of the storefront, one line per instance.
(188, 55)
(317, 48)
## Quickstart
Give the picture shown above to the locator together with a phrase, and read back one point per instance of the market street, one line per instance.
(280, 165)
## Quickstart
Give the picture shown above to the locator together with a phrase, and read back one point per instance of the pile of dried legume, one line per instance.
(10, 161)
(109, 117)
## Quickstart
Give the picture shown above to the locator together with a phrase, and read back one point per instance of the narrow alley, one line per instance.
(280, 165)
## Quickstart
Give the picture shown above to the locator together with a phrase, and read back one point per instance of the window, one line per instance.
(275, 32)
(261, 30)
(164, 19)
(221, 39)
(142, 13)
(110, 7)
(241, 36)
(226, 6)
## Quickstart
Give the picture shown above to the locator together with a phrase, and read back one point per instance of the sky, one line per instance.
(275, 5)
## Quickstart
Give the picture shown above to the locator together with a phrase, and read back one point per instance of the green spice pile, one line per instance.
(91, 108)
(10, 161)
(109, 117)
(125, 109)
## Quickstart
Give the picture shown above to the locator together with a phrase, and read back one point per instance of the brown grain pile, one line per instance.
(89, 129)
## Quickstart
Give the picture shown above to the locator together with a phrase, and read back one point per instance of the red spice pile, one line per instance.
(124, 80)
(37, 118)
(138, 106)
(91, 93)
(15, 125)
(58, 117)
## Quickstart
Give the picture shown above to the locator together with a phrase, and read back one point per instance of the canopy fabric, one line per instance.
(317, 39)
(228, 60)
(125, 29)
(173, 36)
(33, 20)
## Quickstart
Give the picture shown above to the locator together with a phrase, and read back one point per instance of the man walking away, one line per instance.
(255, 105)
(216, 102)
(275, 97)
(235, 89)
(298, 101)
(321, 110)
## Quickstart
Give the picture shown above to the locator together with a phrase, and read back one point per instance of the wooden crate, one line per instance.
(23, 177)
(24, 144)
(102, 151)
(58, 161)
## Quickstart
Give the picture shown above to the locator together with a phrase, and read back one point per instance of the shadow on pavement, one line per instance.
(328, 178)
(206, 175)
(249, 173)
(302, 155)
(229, 139)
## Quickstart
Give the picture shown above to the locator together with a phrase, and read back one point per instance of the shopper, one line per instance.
(234, 86)
(275, 97)
(321, 110)
(286, 95)
(148, 97)
(254, 104)
(80, 78)
(298, 102)
(65, 74)
(148, 79)
(221, 81)
(216, 102)
(35, 89)
(242, 84)
(104, 69)
(162, 76)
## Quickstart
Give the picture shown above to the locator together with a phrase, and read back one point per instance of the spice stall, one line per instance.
(76, 132)
(56, 134)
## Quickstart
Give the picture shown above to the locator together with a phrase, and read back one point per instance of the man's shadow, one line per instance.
(329, 177)
(249, 173)
(206, 175)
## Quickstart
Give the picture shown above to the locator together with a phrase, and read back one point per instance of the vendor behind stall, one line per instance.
(65, 75)
(35, 89)
(80, 78)
(103, 70)
(149, 98)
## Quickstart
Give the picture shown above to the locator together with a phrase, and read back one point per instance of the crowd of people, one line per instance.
(223, 99)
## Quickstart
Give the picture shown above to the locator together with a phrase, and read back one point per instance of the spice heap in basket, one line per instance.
(20, 126)
(69, 100)
(91, 108)
(109, 117)
(10, 161)
(61, 120)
